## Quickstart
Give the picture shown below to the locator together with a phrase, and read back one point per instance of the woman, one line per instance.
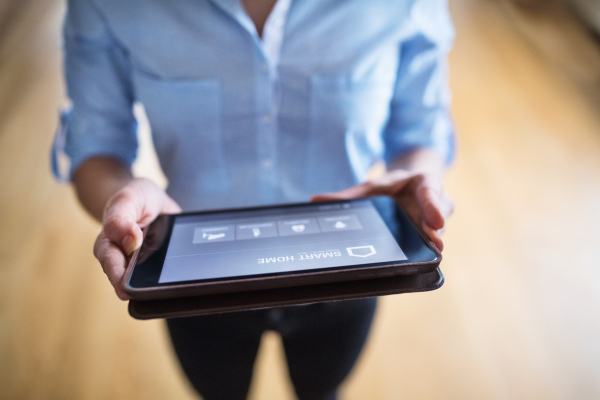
(258, 102)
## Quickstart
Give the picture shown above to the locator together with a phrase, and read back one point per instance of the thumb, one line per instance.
(170, 206)
(137, 204)
(120, 221)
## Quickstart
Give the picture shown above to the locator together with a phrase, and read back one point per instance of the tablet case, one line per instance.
(240, 301)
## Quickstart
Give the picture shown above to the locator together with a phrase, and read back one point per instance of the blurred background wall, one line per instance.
(517, 318)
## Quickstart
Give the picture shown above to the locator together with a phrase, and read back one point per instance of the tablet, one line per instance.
(236, 250)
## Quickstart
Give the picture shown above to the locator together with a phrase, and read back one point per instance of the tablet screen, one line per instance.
(223, 245)
(272, 241)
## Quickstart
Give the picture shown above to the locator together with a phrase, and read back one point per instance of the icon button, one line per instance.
(211, 234)
(256, 230)
(298, 227)
(361, 251)
(335, 223)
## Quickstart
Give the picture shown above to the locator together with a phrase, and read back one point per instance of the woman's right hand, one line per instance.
(133, 207)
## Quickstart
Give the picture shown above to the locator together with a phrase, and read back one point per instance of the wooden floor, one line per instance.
(518, 317)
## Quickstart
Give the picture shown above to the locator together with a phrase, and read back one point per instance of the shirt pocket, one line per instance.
(347, 117)
(186, 121)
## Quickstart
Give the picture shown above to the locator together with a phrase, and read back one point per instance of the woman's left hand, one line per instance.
(420, 194)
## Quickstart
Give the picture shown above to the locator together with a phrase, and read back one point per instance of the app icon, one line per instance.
(361, 251)
(339, 222)
(298, 228)
(340, 225)
(212, 236)
(256, 230)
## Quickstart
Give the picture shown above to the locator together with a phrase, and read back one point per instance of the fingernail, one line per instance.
(129, 244)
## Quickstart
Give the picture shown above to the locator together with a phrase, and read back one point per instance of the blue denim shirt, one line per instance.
(357, 81)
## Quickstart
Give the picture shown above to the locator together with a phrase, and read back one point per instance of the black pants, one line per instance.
(322, 342)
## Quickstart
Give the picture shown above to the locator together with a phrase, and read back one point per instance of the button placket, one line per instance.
(266, 123)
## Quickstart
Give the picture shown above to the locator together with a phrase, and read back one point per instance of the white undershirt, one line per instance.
(272, 39)
(272, 36)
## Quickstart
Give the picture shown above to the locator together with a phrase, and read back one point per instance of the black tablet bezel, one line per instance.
(143, 283)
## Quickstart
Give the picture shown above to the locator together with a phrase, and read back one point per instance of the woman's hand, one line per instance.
(133, 207)
(418, 190)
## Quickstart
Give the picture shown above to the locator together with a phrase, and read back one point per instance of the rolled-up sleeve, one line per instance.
(420, 108)
(100, 121)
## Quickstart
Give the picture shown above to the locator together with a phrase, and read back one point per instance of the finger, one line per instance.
(170, 206)
(391, 184)
(361, 190)
(434, 236)
(446, 206)
(113, 263)
(430, 203)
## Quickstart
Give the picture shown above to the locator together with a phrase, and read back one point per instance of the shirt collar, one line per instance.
(235, 10)
(272, 36)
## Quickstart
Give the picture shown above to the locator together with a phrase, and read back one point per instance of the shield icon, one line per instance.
(361, 251)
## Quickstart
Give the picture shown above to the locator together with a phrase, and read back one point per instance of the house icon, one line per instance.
(362, 251)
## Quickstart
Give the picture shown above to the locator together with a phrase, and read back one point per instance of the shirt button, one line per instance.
(266, 118)
(264, 67)
(267, 163)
